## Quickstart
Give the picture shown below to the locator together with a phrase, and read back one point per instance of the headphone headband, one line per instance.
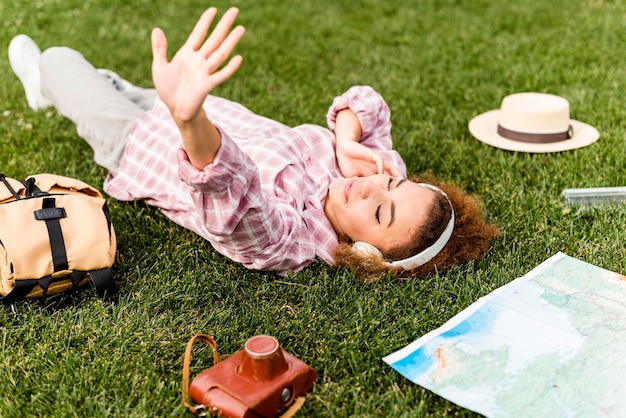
(422, 257)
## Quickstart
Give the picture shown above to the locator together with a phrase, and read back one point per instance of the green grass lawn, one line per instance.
(438, 63)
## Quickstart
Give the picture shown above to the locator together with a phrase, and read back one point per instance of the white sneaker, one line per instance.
(24, 59)
(118, 82)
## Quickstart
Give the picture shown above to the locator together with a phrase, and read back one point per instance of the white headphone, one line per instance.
(422, 257)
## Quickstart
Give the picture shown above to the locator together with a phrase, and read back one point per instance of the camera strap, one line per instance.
(294, 407)
(187, 361)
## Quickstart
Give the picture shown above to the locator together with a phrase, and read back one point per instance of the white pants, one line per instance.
(102, 114)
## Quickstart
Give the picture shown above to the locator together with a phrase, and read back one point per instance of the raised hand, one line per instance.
(184, 82)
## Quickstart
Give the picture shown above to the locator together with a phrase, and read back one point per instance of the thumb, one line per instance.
(159, 47)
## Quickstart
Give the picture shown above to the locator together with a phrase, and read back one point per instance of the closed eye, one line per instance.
(392, 206)
(377, 215)
(400, 182)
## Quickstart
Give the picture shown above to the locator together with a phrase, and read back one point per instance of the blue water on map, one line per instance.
(420, 360)
(480, 321)
(415, 364)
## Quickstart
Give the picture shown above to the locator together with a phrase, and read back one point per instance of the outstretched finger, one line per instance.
(201, 28)
(220, 32)
(227, 71)
(159, 47)
(225, 49)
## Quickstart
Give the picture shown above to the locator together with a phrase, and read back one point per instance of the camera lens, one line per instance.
(261, 345)
(285, 395)
(262, 359)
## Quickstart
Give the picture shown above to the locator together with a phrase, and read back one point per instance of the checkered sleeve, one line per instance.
(375, 118)
(241, 220)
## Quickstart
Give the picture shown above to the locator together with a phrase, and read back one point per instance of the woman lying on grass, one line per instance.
(263, 194)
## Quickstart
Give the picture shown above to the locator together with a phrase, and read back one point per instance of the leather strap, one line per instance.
(535, 138)
(186, 362)
(295, 406)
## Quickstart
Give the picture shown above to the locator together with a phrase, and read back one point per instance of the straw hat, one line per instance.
(532, 122)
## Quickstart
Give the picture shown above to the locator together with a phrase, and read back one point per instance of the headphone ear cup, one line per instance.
(367, 249)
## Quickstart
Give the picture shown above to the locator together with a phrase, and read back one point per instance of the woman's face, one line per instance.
(379, 209)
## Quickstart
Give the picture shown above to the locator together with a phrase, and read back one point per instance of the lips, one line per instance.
(348, 188)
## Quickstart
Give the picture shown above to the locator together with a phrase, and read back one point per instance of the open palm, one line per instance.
(196, 69)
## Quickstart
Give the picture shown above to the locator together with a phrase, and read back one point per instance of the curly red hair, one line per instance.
(470, 239)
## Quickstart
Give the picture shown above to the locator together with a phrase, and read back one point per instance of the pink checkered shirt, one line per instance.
(261, 201)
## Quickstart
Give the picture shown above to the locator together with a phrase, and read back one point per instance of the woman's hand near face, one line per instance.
(195, 70)
(353, 158)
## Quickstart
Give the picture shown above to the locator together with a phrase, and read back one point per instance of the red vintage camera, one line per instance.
(262, 380)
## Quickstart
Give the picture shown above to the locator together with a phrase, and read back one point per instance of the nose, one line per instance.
(370, 189)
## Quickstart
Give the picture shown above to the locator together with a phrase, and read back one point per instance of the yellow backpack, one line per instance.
(55, 235)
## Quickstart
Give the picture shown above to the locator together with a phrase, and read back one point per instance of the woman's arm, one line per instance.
(196, 69)
(355, 159)
(347, 126)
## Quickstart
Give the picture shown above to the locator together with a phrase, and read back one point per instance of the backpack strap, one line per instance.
(50, 214)
(103, 281)
(19, 291)
(8, 186)
(23, 287)
(107, 215)
(32, 189)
